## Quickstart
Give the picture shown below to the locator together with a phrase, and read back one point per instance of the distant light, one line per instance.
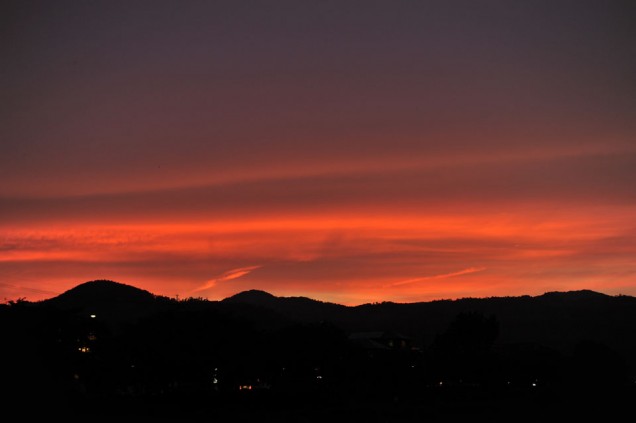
(215, 381)
(84, 349)
(93, 316)
(441, 383)
(318, 377)
(534, 384)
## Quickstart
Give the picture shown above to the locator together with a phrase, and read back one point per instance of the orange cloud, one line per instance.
(350, 257)
(441, 276)
(227, 276)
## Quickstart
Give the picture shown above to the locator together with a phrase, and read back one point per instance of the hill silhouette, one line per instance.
(112, 301)
(554, 319)
(101, 292)
(254, 297)
(300, 309)
(111, 345)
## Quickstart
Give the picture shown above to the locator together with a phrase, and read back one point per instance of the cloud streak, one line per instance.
(226, 276)
(440, 276)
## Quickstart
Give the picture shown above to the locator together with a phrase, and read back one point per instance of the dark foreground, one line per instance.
(106, 352)
(431, 404)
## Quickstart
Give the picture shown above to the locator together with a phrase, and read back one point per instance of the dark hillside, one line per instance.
(119, 348)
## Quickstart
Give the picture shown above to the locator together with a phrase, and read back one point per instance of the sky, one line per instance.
(347, 151)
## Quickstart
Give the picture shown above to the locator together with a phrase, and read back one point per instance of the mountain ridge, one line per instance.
(110, 290)
(555, 320)
(119, 342)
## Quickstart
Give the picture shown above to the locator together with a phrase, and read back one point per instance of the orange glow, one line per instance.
(349, 259)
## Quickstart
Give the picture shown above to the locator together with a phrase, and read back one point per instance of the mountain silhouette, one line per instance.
(116, 342)
(580, 295)
(301, 309)
(254, 297)
(101, 291)
(113, 301)
(554, 319)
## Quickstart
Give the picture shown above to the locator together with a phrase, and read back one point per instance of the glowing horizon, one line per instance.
(346, 259)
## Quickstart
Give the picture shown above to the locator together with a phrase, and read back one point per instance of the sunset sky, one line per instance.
(348, 151)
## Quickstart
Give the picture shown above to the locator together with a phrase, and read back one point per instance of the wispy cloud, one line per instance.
(441, 276)
(227, 276)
